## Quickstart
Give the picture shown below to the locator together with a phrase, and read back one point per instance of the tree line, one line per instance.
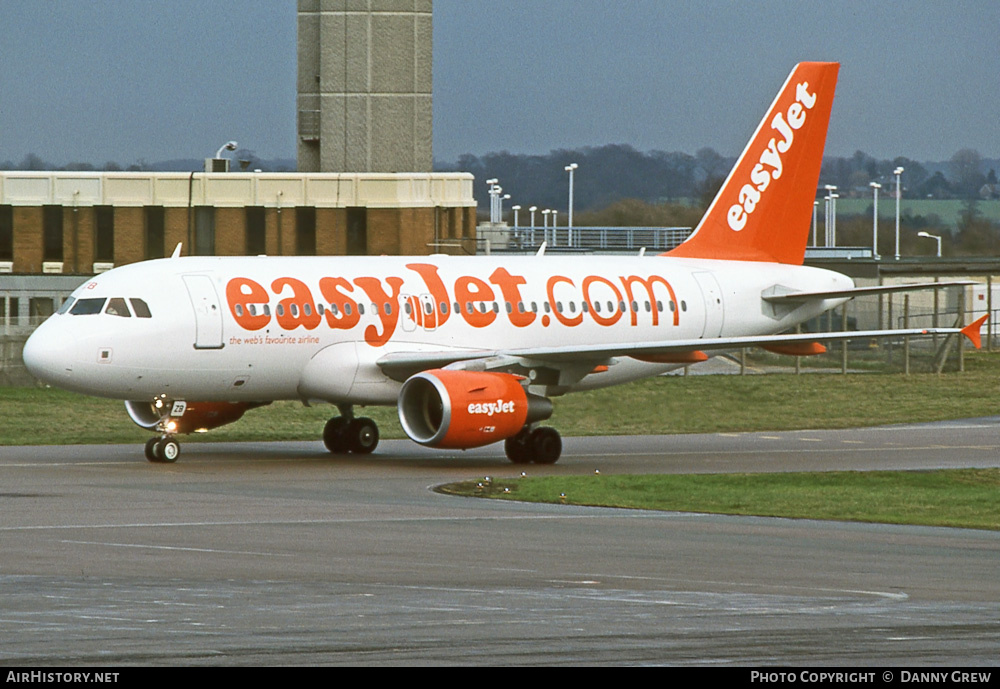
(615, 172)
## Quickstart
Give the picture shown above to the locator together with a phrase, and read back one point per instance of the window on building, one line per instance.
(305, 231)
(52, 233)
(204, 231)
(155, 239)
(8, 310)
(40, 308)
(6, 233)
(256, 235)
(104, 239)
(357, 231)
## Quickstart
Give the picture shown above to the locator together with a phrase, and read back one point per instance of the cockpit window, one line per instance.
(141, 308)
(66, 305)
(87, 307)
(117, 307)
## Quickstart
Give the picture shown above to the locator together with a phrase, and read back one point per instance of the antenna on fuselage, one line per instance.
(177, 250)
(541, 249)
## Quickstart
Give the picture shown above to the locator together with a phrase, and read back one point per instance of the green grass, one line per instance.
(955, 498)
(673, 404)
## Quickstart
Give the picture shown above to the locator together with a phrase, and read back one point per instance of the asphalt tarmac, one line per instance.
(280, 554)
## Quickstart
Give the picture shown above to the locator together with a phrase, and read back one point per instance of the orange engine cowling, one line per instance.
(193, 417)
(463, 409)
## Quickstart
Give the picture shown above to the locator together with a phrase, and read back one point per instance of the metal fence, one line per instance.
(597, 239)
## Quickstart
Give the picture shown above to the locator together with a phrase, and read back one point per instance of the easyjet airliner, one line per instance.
(469, 349)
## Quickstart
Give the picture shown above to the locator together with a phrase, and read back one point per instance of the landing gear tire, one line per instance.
(518, 447)
(336, 436)
(364, 436)
(150, 450)
(546, 445)
(167, 450)
(162, 450)
(342, 435)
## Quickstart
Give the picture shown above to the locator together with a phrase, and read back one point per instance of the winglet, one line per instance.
(972, 331)
(764, 209)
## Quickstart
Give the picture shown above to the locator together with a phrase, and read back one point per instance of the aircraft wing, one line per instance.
(401, 365)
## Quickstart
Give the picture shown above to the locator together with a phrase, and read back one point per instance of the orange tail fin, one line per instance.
(764, 210)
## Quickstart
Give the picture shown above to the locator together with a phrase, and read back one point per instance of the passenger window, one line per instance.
(117, 307)
(87, 307)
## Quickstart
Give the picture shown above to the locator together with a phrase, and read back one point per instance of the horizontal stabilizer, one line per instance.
(863, 291)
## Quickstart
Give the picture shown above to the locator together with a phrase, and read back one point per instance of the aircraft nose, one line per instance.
(47, 357)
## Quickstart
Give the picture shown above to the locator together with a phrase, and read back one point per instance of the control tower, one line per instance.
(364, 86)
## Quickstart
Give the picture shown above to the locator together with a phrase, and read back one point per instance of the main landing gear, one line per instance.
(164, 449)
(347, 433)
(541, 445)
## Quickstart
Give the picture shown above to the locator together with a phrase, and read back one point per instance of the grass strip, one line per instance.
(963, 498)
(662, 405)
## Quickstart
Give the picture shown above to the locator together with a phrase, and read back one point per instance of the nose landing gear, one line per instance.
(165, 449)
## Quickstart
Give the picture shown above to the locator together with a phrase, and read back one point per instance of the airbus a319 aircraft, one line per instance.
(469, 349)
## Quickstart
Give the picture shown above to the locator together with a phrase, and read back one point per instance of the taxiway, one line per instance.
(277, 553)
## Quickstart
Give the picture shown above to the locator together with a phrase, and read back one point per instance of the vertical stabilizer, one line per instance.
(764, 209)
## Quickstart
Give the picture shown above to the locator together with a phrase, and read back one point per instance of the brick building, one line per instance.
(81, 223)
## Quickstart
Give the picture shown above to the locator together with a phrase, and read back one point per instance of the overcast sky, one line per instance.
(102, 80)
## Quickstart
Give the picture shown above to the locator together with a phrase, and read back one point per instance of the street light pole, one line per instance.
(570, 169)
(831, 220)
(899, 192)
(875, 187)
(932, 236)
(493, 199)
(815, 206)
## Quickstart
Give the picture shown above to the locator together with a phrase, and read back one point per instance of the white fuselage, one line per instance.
(247, 328)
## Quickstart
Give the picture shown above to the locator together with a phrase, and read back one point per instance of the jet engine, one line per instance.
(186, 417)
(464, 409)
